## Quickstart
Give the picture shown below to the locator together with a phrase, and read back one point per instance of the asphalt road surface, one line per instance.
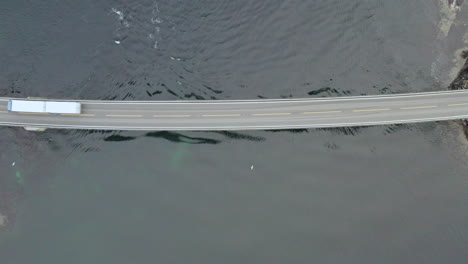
(251, 114)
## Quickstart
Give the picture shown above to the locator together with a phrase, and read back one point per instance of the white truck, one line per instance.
(29, 106)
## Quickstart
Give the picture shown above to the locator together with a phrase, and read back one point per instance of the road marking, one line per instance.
(78, 114)
(324, 112)
(222, 115)
(371, 110)
(419, 107)
(125, 115)
(457, 104)
(172, 115)
(249, 127)
(3, 111)
(271, 114)
(31, 113)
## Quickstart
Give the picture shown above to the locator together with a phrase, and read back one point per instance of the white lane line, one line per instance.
(323, 112)
(419, 107)
(125, 115)
(271, 114)
(31, 113)
(372, 110)
(221, 115)
(78, 114)
(457, 104)
(172, 115)
(208, 128)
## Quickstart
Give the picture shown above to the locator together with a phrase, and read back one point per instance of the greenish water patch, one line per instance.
(19, 177)
(180, 154)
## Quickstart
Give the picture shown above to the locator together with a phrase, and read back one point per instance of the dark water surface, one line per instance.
(387, 194)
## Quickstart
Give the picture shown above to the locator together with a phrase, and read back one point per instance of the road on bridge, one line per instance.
(251, 114)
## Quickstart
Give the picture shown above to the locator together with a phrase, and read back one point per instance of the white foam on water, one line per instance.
(454, 5)
(448, 16)
(119, 13)
(155, 20)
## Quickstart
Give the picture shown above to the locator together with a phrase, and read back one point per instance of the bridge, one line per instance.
(250, 114)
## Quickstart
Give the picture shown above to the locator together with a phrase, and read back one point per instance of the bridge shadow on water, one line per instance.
(179, 137)
(346, 131)
(213, 137)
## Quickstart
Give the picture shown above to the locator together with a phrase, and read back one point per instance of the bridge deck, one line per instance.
(251, 114)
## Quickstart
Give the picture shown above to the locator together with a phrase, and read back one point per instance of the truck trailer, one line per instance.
(29, 106)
